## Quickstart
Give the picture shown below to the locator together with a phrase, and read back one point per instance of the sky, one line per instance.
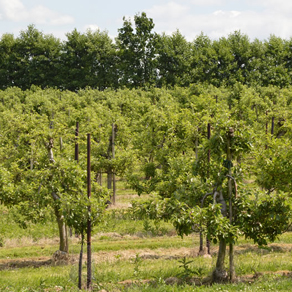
(214, 18)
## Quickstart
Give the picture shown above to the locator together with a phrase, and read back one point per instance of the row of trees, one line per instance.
(185, 143)
(139, 57)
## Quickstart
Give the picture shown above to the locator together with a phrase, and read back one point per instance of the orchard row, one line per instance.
(193, 149)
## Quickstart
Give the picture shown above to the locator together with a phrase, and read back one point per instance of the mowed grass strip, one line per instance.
(103, 245)
(106, 243)
(152, 275)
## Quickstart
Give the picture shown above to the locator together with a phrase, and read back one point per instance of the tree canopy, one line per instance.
(140, 57)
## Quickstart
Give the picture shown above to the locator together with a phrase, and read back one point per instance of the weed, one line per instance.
(188, 272)
(137, 265)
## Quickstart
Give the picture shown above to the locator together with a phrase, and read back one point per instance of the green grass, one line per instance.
(102, 245)
(30, 279)
(110, 275)
(120, 234)
(268, 283)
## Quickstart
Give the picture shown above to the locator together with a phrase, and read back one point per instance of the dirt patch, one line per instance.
(146, 254)
(160, 253)
(246, 248)
(25, 263)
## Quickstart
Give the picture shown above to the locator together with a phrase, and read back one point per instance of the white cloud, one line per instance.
(260, 23)
(14, 10)
(208, 2)
(169, 11)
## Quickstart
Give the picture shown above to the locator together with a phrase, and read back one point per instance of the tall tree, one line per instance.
(36, 59)
(88, 59)
(174, 59)
(7, 60)
(204, 61)
(137, 49)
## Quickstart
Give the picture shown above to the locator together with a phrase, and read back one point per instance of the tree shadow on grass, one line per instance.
(18, 264)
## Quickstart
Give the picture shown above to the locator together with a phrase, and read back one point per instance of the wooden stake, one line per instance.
(113, 156)
(89, 270)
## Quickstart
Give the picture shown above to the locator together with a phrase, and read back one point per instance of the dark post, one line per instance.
(209, 160)
(113, 156)
(266, 147)
(89, 272)
(77, 159)
(209, 136)
(230, 135)
(76, 234)
(76, 142)
(273, 125)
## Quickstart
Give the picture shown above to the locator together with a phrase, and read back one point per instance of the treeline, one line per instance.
(141, 58)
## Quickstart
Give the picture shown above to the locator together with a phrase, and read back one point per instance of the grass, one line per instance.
(133, 255)
(130, 275)
(267, 283)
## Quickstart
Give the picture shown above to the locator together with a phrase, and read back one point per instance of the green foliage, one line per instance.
(141, 58)
(162, 146)
(275, 166)
(263, 218)
(188, 271)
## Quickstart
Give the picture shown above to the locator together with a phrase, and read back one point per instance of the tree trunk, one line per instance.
(208, 245)
(99, 178)
(63, 234)
(109, 180)
(231, 263)
(219, 274)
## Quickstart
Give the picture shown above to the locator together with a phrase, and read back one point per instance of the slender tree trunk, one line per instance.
(201, 249)
(208, 245)
(220, 275)
(63, 233)
(99, 178)
(109, 180)
(273, 126)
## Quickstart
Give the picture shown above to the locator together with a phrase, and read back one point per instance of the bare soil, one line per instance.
(160, 253)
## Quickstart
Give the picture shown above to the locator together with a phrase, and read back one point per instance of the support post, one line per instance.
(113, 156)
(76, 142)
(209, 160)
(273, 126)
(89, 270)
(231, 245)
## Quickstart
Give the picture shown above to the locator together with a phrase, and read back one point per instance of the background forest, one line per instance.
(139, 57)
